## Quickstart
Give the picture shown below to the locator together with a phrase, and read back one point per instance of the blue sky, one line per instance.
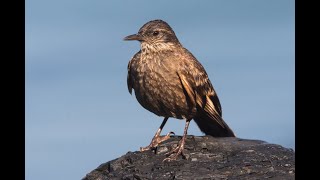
(79, 113)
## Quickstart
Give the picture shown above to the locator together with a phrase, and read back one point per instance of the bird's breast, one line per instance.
(158, 88)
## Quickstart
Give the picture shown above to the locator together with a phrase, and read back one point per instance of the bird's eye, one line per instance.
(155, 33)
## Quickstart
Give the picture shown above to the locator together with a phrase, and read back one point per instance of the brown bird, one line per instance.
(169, 81)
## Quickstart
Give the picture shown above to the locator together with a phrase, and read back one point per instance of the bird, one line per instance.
(170, 82)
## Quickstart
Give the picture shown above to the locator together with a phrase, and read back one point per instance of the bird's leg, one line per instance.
(179, 149)
(156, 140)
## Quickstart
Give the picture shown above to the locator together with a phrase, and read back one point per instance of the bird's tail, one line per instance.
(210, 126)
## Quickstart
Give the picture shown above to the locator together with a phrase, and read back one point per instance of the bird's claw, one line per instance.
(170, 133)
(173, 154)
(156, 141)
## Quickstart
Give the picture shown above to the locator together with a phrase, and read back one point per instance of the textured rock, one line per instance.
(205, 158)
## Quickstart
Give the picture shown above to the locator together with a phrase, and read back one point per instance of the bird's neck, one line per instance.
(148, 48)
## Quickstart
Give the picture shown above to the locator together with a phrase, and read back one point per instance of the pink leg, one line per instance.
(156, 140)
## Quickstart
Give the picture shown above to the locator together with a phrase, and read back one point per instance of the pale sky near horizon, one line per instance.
(79, 112)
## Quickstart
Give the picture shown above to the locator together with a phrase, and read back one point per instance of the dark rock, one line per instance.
(205, 158)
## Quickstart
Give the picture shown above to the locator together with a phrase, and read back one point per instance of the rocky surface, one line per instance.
(205, 158)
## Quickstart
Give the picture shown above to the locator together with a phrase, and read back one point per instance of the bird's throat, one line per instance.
(149, 48)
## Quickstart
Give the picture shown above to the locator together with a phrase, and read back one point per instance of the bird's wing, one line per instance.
(198, 87)
(130, 79)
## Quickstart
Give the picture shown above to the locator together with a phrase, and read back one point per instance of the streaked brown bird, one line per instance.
(169, 81)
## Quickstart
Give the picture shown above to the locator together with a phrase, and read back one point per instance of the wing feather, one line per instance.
(199, 89)
(130, 78)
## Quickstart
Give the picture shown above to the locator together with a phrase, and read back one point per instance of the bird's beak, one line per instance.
(133, 37)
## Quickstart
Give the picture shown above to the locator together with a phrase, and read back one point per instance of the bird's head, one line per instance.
(156, 34)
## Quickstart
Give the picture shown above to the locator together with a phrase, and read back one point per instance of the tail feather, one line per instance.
(210, 126)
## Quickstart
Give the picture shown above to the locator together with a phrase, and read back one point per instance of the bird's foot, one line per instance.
(175, 152)
(156, 141)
